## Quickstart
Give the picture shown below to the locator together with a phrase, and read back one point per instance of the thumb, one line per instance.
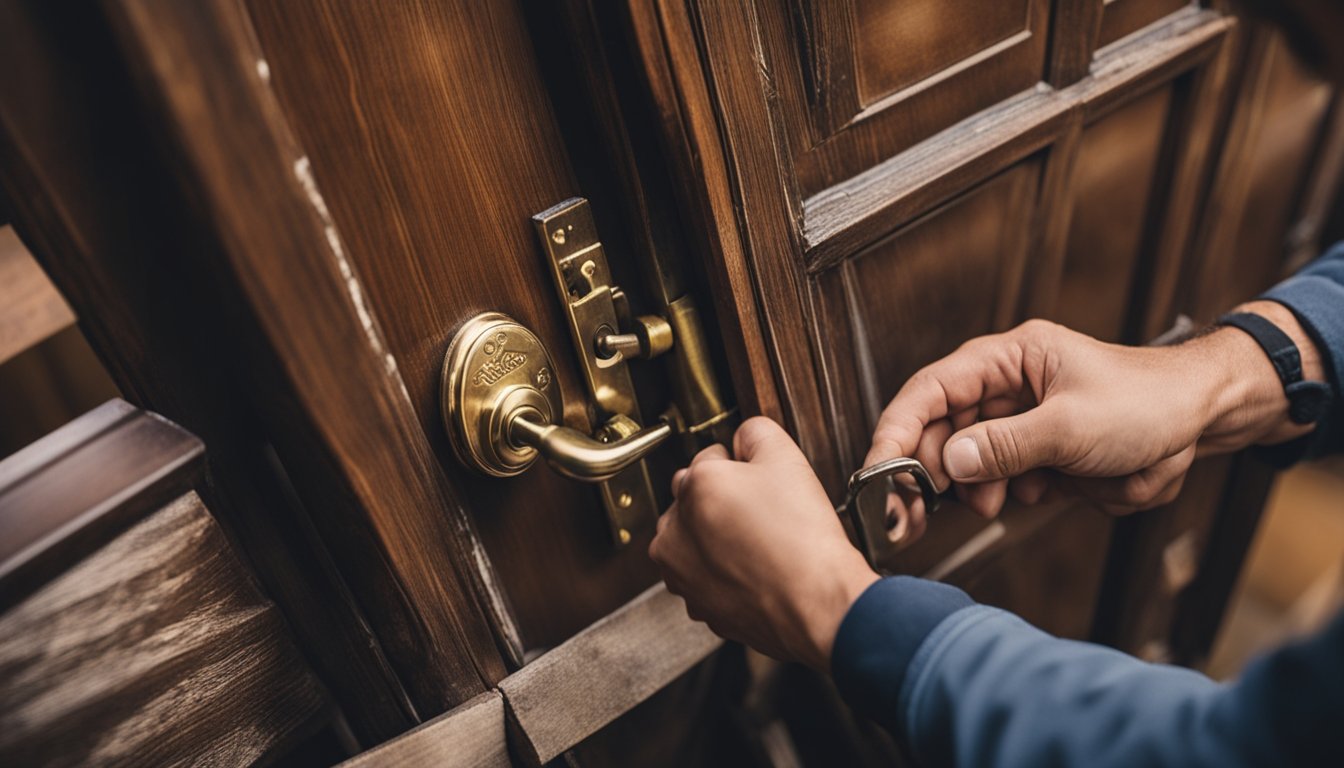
(761, 440)
(1003, 448)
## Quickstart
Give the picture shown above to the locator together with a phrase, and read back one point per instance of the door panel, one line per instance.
(859, 83)
(962, 261)
(1123, 17)
(900, 44)
(1113, 186)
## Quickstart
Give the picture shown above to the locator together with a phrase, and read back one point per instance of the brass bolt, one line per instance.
(624, 501)
(624, 536)
(558, 236)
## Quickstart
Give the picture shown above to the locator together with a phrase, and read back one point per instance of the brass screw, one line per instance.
(624, 536)
(624, 501)
(558, 236)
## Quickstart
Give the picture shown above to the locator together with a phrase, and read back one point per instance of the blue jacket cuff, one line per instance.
(880, 635)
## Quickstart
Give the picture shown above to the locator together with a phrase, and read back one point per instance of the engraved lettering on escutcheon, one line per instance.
(499, 361)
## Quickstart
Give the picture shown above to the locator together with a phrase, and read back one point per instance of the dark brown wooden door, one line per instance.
(847, 189)
(879, 181)
(351, 183)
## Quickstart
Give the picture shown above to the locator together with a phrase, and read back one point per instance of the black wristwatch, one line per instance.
(1308, 401)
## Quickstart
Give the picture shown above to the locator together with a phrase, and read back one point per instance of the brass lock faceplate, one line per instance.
(494, 367)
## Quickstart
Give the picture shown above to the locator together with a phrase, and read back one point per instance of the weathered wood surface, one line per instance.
(470, 735)
(70, 492)
(31, 309)
(155, 649)
(570, 692)
(431, 162)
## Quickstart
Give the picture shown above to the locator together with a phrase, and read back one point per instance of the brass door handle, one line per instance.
(500, 403)
(578, 456)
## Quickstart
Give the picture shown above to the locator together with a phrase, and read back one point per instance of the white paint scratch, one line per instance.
(497, 602)
(303, 171)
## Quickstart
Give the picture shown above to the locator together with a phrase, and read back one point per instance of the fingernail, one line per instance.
(963, 459)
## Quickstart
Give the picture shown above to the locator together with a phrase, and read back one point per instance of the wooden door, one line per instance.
(847, 190)
(877, 182)
(285, 214)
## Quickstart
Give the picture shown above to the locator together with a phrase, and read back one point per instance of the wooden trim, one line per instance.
(1073, 41)
(569, 693)
(1189, 149)
(842, 219)
(471, 734)
(69, 493)
(1052, 217)
(825, 33)
(769, 232)
(1322, 190)
(565, 695)
(31, 309)
(691, 136)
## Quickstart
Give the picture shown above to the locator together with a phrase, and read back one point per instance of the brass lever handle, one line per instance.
(499, 400)
(578, 456)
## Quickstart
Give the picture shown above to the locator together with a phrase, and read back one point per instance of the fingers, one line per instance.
(1151, 487)
(986, 368)
(1002, 448)
(761, 440)
(715, 452)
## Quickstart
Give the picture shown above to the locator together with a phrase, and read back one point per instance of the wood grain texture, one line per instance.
(1273, 134)
(253, 183)
(842, 218)
(1115, 196)
(945, 62)
(431, 163)
(1123, 17)
(764, 184)
(70, 492)
(31, 309)
(155, 649)
(109, 214)
(901, 44)
(668, 57)
(470, 735)
(1074, 26)
(572, 691)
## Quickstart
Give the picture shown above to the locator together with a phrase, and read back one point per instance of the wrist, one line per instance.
(1246, 399)
(822, 614)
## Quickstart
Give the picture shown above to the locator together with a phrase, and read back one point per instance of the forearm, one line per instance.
(983, 688)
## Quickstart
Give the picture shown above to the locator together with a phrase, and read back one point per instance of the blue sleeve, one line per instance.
(983, 688)
(1315, 295)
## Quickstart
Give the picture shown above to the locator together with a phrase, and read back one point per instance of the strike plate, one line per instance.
(592, 304)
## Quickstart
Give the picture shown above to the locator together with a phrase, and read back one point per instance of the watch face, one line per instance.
(1307, 401)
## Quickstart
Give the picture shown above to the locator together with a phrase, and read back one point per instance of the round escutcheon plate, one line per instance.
(494, 366)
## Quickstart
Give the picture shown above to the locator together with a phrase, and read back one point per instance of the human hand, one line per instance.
(756, 549)
(1042, 411)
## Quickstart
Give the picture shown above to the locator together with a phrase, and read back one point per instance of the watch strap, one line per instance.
(1307, 400)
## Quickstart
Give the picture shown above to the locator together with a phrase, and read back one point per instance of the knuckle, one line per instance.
(1138, 490)
(1036, 328)
(1005, 448)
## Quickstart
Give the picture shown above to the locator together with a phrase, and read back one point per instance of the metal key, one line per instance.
(872, 527)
